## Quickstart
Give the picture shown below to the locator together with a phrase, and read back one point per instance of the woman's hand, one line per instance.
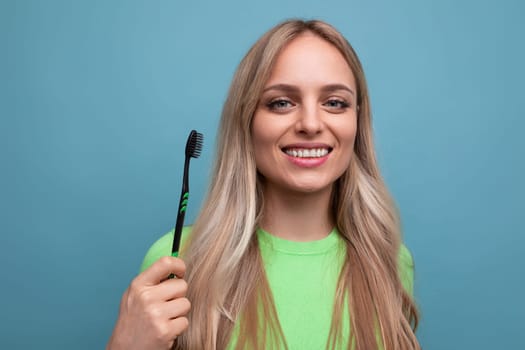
(153, 309)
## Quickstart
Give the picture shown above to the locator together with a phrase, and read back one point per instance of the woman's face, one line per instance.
(304, 127)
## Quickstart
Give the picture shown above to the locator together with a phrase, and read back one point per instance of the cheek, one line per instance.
(263, 141)
(347, 135)
(266, 131)
(259, 137)
(346, 132)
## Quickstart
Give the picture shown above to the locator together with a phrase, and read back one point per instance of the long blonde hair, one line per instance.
(225, 275)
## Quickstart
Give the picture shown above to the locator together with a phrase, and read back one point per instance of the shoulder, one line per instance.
(162, 247)
(406, 269)
(405, 257)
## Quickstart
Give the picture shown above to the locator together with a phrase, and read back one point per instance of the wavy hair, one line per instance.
(226, 278)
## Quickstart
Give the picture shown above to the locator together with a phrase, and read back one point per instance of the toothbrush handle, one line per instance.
(180, 221)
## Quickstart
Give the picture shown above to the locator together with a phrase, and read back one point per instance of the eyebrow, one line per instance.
(292, 88)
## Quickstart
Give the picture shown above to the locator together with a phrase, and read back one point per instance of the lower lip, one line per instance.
(308, 162)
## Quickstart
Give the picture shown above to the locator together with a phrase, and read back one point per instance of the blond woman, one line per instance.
(298, 244)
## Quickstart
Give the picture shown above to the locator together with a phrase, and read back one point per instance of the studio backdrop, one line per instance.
(97, 98)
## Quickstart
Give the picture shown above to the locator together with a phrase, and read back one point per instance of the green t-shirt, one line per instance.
(303, 278)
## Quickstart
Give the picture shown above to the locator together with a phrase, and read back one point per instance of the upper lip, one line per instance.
(307, 145)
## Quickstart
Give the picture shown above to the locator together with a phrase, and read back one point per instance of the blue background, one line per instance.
(97, 98)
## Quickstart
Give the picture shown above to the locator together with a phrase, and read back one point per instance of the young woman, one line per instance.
(298, 243)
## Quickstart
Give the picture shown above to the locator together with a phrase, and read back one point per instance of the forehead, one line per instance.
(310, 60)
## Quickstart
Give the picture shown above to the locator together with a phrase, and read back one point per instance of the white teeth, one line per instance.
(307, 153)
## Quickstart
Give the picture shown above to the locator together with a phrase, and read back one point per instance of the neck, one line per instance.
(297, 216)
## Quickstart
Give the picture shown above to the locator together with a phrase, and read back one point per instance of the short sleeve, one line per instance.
(406, 269)
(162, 247)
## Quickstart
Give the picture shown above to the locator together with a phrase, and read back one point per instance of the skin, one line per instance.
(310, 99)
(153, 309)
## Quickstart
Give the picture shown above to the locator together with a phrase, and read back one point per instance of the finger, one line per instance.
(160, 270)
(171, 289)
(176, 308)
(178, 326)
(170, 329)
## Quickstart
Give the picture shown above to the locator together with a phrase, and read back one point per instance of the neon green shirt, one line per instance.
(303, 278)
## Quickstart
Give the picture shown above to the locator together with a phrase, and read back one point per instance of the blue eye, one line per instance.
(336, 103)
(279, 104)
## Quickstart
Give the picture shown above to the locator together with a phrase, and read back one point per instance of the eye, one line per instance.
(279, 104)
(336, 103)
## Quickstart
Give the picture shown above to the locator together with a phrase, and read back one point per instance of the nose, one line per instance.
(309, 121)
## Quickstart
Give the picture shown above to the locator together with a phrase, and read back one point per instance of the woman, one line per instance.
(297, 245)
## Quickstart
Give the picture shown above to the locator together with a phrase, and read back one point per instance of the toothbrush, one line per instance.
(193, 150)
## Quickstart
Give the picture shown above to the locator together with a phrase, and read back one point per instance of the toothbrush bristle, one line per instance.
(194, 144)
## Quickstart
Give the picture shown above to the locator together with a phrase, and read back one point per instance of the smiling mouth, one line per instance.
(307, 152)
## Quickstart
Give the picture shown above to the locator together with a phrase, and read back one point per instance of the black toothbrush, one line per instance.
(193, 150)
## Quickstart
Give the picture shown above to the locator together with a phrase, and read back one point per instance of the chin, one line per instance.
(308, 185)
(309, 188)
